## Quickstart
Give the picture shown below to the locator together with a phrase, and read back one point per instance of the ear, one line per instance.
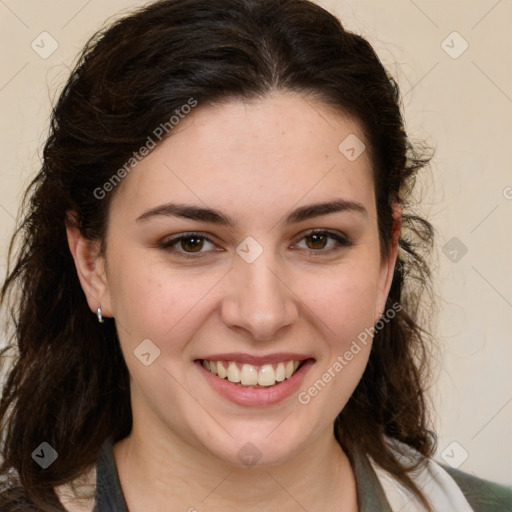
(387, 266)
(90, 267)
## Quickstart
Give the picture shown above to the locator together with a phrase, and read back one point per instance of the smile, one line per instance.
(251, 375)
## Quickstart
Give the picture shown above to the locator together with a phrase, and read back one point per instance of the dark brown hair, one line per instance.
(68, 384)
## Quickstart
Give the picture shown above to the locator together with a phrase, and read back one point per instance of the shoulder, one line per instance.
(482, 495)
(446, 488)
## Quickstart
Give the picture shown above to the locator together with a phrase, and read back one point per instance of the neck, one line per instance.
(159, 471)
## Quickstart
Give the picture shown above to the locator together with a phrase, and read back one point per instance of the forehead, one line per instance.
(278, 150)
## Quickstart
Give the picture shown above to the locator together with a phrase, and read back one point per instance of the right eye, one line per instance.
(189, 243)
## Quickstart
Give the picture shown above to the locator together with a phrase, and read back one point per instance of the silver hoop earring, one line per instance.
(99, 315)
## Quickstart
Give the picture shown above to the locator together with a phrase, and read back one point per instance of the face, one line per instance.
(218, 249)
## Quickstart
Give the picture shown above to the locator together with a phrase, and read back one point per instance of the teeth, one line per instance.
(233, 372)
(250, 375)
(280, 372)
(289, 369)
(221, 371)
(266, 375)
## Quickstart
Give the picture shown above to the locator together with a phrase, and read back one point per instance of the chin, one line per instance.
(258, 448)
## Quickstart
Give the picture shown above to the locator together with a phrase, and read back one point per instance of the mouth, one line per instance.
(256, 376)
(251, 381)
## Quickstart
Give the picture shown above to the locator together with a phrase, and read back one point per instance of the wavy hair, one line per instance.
(67, 383)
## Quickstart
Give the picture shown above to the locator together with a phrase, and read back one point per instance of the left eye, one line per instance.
(319, 241)
(190, 245)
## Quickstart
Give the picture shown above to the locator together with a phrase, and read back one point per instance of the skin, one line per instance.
(255, 161)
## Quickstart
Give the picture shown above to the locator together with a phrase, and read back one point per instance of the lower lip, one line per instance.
(252, 397)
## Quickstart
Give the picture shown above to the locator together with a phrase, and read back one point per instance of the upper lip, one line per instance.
(257, 360)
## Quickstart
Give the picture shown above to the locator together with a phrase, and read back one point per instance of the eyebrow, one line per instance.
(217, 217)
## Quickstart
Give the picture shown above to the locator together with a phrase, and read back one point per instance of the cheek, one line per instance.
(347, 315)
(150, 300)
(343, 300)
(343, 312)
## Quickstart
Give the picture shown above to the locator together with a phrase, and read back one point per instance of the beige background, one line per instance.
(462, 105)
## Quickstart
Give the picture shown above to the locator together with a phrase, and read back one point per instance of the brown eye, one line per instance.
(192, 243)
(318, 240)
(188, 245)
(324, 242)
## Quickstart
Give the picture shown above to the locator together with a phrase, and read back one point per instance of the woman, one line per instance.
(216, 269)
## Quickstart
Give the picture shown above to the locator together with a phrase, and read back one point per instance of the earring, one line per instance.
(99, 315)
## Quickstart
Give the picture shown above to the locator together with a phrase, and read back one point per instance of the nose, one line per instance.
(259, 300)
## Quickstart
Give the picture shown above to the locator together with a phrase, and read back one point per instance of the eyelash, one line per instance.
(341, 241)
